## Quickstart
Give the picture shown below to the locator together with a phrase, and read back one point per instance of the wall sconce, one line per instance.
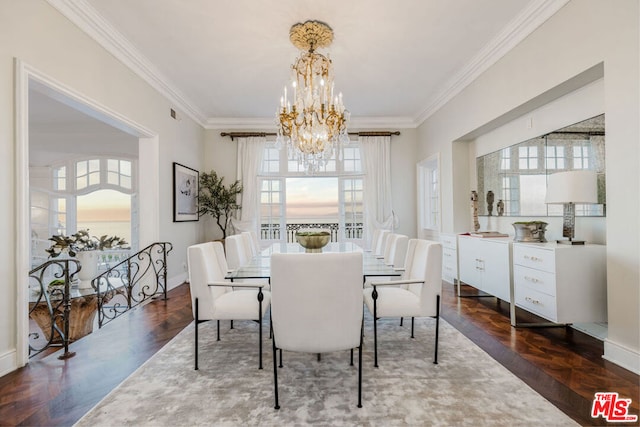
(569, 188)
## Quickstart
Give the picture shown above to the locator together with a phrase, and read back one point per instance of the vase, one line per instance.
(532, 231)
(88, 272)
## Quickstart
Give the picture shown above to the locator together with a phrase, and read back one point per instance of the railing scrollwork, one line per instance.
(65, 311)
(50, 302)
(132, 282)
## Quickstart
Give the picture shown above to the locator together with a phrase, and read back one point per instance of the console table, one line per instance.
(559, 283)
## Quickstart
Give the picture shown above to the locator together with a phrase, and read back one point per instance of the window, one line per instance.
(505, 159)
(271, 209)
(104, 212)
(271, 160)
(87, 173)
(581, 154)
(511, 195)
(119, 173)
(352, 202)
(60, 178)
(351, 159)
(528, 157)
(429, 193)
(96, 193)
(554, 157)
(294, 166)
(332, 198)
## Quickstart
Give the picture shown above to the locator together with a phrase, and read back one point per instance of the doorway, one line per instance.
(31, 82)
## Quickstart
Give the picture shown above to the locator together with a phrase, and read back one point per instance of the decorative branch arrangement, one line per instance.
(218, 200)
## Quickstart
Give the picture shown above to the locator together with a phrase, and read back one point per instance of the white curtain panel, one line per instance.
(250, 155)
(378, 206)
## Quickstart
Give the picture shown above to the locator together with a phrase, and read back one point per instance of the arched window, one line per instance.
(98, 193)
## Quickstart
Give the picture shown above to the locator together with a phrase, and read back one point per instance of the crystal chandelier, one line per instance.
(313, 123)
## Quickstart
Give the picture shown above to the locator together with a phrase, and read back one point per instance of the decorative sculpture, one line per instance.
(490, 198)
(500, 207)
(474, 208)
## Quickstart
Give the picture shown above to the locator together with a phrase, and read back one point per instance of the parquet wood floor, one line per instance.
(563, 365)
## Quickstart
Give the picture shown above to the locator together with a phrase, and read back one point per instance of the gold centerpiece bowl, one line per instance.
(313, 241)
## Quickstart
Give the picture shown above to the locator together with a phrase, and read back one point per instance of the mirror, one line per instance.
(517, 175)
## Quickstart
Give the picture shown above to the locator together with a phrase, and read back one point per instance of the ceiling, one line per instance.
(224, 63)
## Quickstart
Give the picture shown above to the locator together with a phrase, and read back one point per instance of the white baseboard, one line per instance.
(622, 356)
(8, 362)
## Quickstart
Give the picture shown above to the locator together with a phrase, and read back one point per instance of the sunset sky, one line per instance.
(306, 198)
(312, 197)
(104, 205)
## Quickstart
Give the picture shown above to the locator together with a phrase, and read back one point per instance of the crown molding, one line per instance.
(85, 17)
(242, 123)
(382, 122)
(536, 13)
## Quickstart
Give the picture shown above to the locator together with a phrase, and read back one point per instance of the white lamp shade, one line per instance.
(572, 187)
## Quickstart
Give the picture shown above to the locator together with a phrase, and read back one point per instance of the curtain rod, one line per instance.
(263, 134)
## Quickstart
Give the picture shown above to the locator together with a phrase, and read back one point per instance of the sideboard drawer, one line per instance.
(448, 240)
(531, 256)
(537, 302)
(541, 281)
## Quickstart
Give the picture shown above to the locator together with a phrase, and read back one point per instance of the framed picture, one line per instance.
(185, 193)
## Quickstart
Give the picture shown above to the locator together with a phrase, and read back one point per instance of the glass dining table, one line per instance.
(260, 266)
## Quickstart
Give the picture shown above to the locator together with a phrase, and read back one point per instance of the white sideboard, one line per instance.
(485, 264)
(449, 257)
(561, 283)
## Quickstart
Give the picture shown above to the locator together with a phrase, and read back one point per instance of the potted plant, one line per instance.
(218, 200)
(83, 246)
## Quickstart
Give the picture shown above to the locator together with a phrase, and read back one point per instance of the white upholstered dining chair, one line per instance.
(236, 251)
(317, 306)
(380, 244)
(417, 294)
(251, 246)
(214, 298)
(395, 256)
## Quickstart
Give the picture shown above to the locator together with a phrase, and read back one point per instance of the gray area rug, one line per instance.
(467, 387)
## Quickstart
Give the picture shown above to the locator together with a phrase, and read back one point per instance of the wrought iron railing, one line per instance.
(50, 304)
(272, 231)
(64, 313)
(132, 282)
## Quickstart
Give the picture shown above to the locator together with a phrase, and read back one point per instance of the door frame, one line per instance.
(27, 76)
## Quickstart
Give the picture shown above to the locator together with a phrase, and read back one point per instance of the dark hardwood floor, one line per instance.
(562, 364)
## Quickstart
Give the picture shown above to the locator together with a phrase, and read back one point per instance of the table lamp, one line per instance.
(569, 188)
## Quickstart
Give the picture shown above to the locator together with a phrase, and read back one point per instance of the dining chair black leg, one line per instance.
(360, 365)
(401, 319)
(374, 295)
(196, 337)
(218, 331)
(260, 298)
(280, 359)
(435, 358)
(231, 327)
(275, 373)
(351, 363)
(412, 319)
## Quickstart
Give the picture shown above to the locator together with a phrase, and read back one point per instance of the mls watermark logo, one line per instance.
(612, 408)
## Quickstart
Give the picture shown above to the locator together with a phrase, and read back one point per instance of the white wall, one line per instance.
(35, 33)
(221, 156)
(580, 36)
